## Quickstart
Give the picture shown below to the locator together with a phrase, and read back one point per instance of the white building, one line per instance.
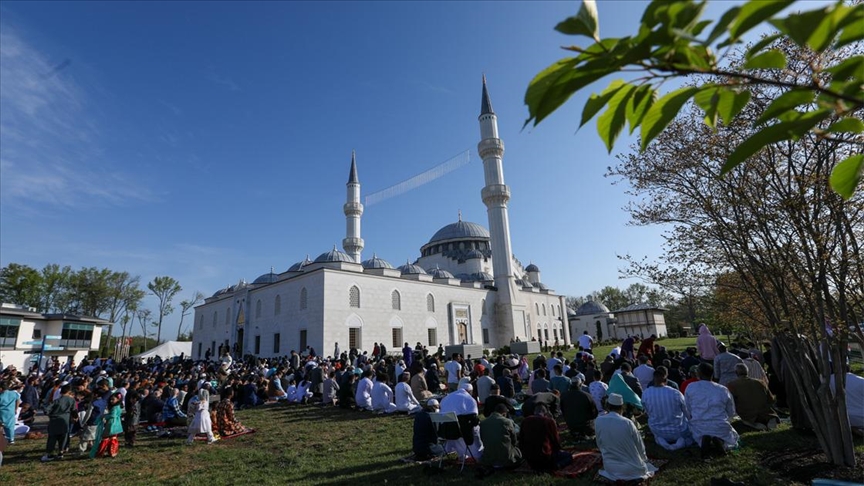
(641, 320)
(595, 318)
(21, 326)
(454, 293)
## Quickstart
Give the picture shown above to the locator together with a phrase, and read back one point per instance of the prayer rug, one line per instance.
(246, 431)
(583, 461)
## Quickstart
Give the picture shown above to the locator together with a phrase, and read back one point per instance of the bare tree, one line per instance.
(164, 288)
(184, 310)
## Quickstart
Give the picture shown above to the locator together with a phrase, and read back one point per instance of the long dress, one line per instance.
(201, 424)
(226, 424)
(106, 434)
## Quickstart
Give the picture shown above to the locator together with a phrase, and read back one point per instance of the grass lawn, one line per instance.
(303, 444)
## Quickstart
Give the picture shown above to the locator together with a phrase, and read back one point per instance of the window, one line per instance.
(303, 339)
(559, 311)
(199, 350)
(277, 306)
(546, 332)
(552, 308)
(37, 334)
(257, 344)
(485, 336)
(483, 307)
(304, 297)
(214, 318)
(354, 337)
(544, 309)
(432, 336)
(430, 303)
(9, 332)
(354, 297)
(537, 308)
(276, 343)
(397, 337)
(555, 333)
(76, 335)
(258, 309)
(396, 299)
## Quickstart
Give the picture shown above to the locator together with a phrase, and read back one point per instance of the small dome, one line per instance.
(333, 255)
(376, 262)
(591, 308)
(523, 283)
(474, 254)
(460, 230)
(438, 273)
(220, 292)
(532, 268)
(298, 267)
(475, 277)
(411, 269)
(267, 278)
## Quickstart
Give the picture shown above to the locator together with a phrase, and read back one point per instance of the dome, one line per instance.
(376, 262)
(298, 267)
(523, 283)
(475, 277)
(411, 269)
(591, 308)
(220, 292)
(460, 230)
(333, 255)
(532, 268)
(541, 286)
(267, 278)
(474, 254)
(438, 273)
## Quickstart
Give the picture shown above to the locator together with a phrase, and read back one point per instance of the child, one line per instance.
(59, 413)
(201, 424)
(133, 414)
(109, 428)
(91, 412)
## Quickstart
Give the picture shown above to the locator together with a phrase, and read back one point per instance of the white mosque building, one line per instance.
(466, 287)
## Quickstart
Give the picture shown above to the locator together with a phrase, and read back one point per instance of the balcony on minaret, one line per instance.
(495, 194)
(353, 209)
(491, 147)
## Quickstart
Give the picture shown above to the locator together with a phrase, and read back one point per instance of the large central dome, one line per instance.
(460, 230)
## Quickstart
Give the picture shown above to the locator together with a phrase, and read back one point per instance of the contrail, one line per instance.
(424, 178)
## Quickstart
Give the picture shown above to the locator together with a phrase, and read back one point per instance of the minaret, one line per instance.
(353, 244)
(495, 196)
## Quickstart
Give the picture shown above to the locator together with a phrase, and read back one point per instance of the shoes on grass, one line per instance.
(47, 458)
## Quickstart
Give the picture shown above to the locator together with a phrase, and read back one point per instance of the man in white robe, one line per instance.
(405, 399)
(462, 403)
(363, 395)
(623, 451)
(382, 395)
(710, 408)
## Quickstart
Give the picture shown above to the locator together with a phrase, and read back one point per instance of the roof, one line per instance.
(439, 273)
(334, 255)
(411, 269)
(485, 103)
(168, 349)
(532, 268)
(376, 262)
(267, 278)
(460, 230)
(590, 308)
(297, 267)
(352, 175)
(17, 311)
(640, 307)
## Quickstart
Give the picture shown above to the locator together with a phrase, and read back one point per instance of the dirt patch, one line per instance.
(804, 465)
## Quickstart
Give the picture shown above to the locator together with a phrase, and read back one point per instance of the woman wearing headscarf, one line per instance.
(109, 428)
(201, 423)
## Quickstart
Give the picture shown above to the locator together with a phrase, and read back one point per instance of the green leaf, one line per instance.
(775, 133)
(802, 26)
(850, 68)
(722, 24)
(610, 123)
(731, 103)
(707, 99)
(754, 13)
(638, 105)
(662, 112)
(846, 175)
(786, 102)
(585, 22)
(555, 84)
(827, 30)
(773, 59)
(853, 31)
(596, 102)
(847, 125)
(765, 41)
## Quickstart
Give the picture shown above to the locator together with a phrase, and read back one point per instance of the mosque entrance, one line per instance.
(462, 329)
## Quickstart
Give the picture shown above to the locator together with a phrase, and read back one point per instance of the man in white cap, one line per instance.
(621, 445)
(465, 407)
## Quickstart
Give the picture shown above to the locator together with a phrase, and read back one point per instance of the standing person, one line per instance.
(646, 348)
(407, 355)
(627, 348)
(454, 372)
(133, 415)
(336, 351)
(620, 444)
(201, 423)
(8, 406)
(59, 413)
(706, 344)
(586, 342)
(108, 430)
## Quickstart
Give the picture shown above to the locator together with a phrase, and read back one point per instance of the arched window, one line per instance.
(537, 308)
(258, 309)
(303, 298)
(277, 306)
(214, 318)
(483, 307)
(397, 300)
(354, 296)
(544, 309)
(552, 308)
(559, 311)
(430, 303)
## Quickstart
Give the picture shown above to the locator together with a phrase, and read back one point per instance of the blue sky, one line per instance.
(211, 141)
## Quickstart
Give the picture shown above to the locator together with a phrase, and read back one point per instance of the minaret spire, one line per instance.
(485, 102)
(353, 209)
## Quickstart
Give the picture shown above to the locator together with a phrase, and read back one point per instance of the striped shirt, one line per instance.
(666, 411)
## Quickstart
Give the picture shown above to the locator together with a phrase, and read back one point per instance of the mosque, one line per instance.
(466, 287)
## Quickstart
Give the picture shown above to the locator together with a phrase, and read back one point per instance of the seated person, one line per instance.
(363, 396)
(464, 406)
(346, 391)
(506, 385)
(752, 400)
(499, 436)
(541, 445)
(494, 399)
(579, 409)
(225, 423)
(621, 445)
(171, 413)
(405, 399)
(274, 387)
(27, 415)
(382, 395)
(710, 408)
(540, 383)
(667, 413)
(597, 389)
(419, 386)
(425, 440)
(301, 394)
(559, 381)
(330, 392)
(854, 400)
(548, 398)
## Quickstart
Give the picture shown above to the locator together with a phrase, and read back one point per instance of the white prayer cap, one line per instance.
(615, 400)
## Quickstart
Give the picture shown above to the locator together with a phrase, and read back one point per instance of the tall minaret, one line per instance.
(353, 244)
(495, 196)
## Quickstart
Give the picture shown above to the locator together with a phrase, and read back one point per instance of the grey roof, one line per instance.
(460, 230)
(411, 269)
(640, 307)
(541, 286)
(532, 268)
(475, 277)
(267, 278)
(523, 283)
(333, 255)
(590, 308)
(474, 254)
(485, 103)
(376, 262)
(438, 273)
(352, 176)
(297, 267)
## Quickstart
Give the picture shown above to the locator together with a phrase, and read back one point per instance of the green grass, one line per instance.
(311, 445)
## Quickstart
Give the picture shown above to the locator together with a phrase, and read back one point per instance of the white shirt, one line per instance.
(453, 367)
(363, 397)
(484, 385)
(710, 408)
(405, 400)
(622, 449)
(645, 375)
(598, 391)
(382, 397)
(460, 402)
(586, 341)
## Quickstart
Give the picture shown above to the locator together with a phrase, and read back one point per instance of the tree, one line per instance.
(21, 284)
(668, 46)
(55, 287)
(164, 288)
(185, 305)
(143, 316)
(794, 245)
(612, 297)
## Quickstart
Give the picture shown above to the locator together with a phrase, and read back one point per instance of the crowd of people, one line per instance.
(686, 399)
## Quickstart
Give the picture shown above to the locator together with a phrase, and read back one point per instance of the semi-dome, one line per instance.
(474, 254)
(523, 283)
(532, 268)
(298, 267)
(438, 273)
(590, 308)
(460, 230)
(376, 262)
(333, 255)
(267, 278)
(411, 269)
(475, 277)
